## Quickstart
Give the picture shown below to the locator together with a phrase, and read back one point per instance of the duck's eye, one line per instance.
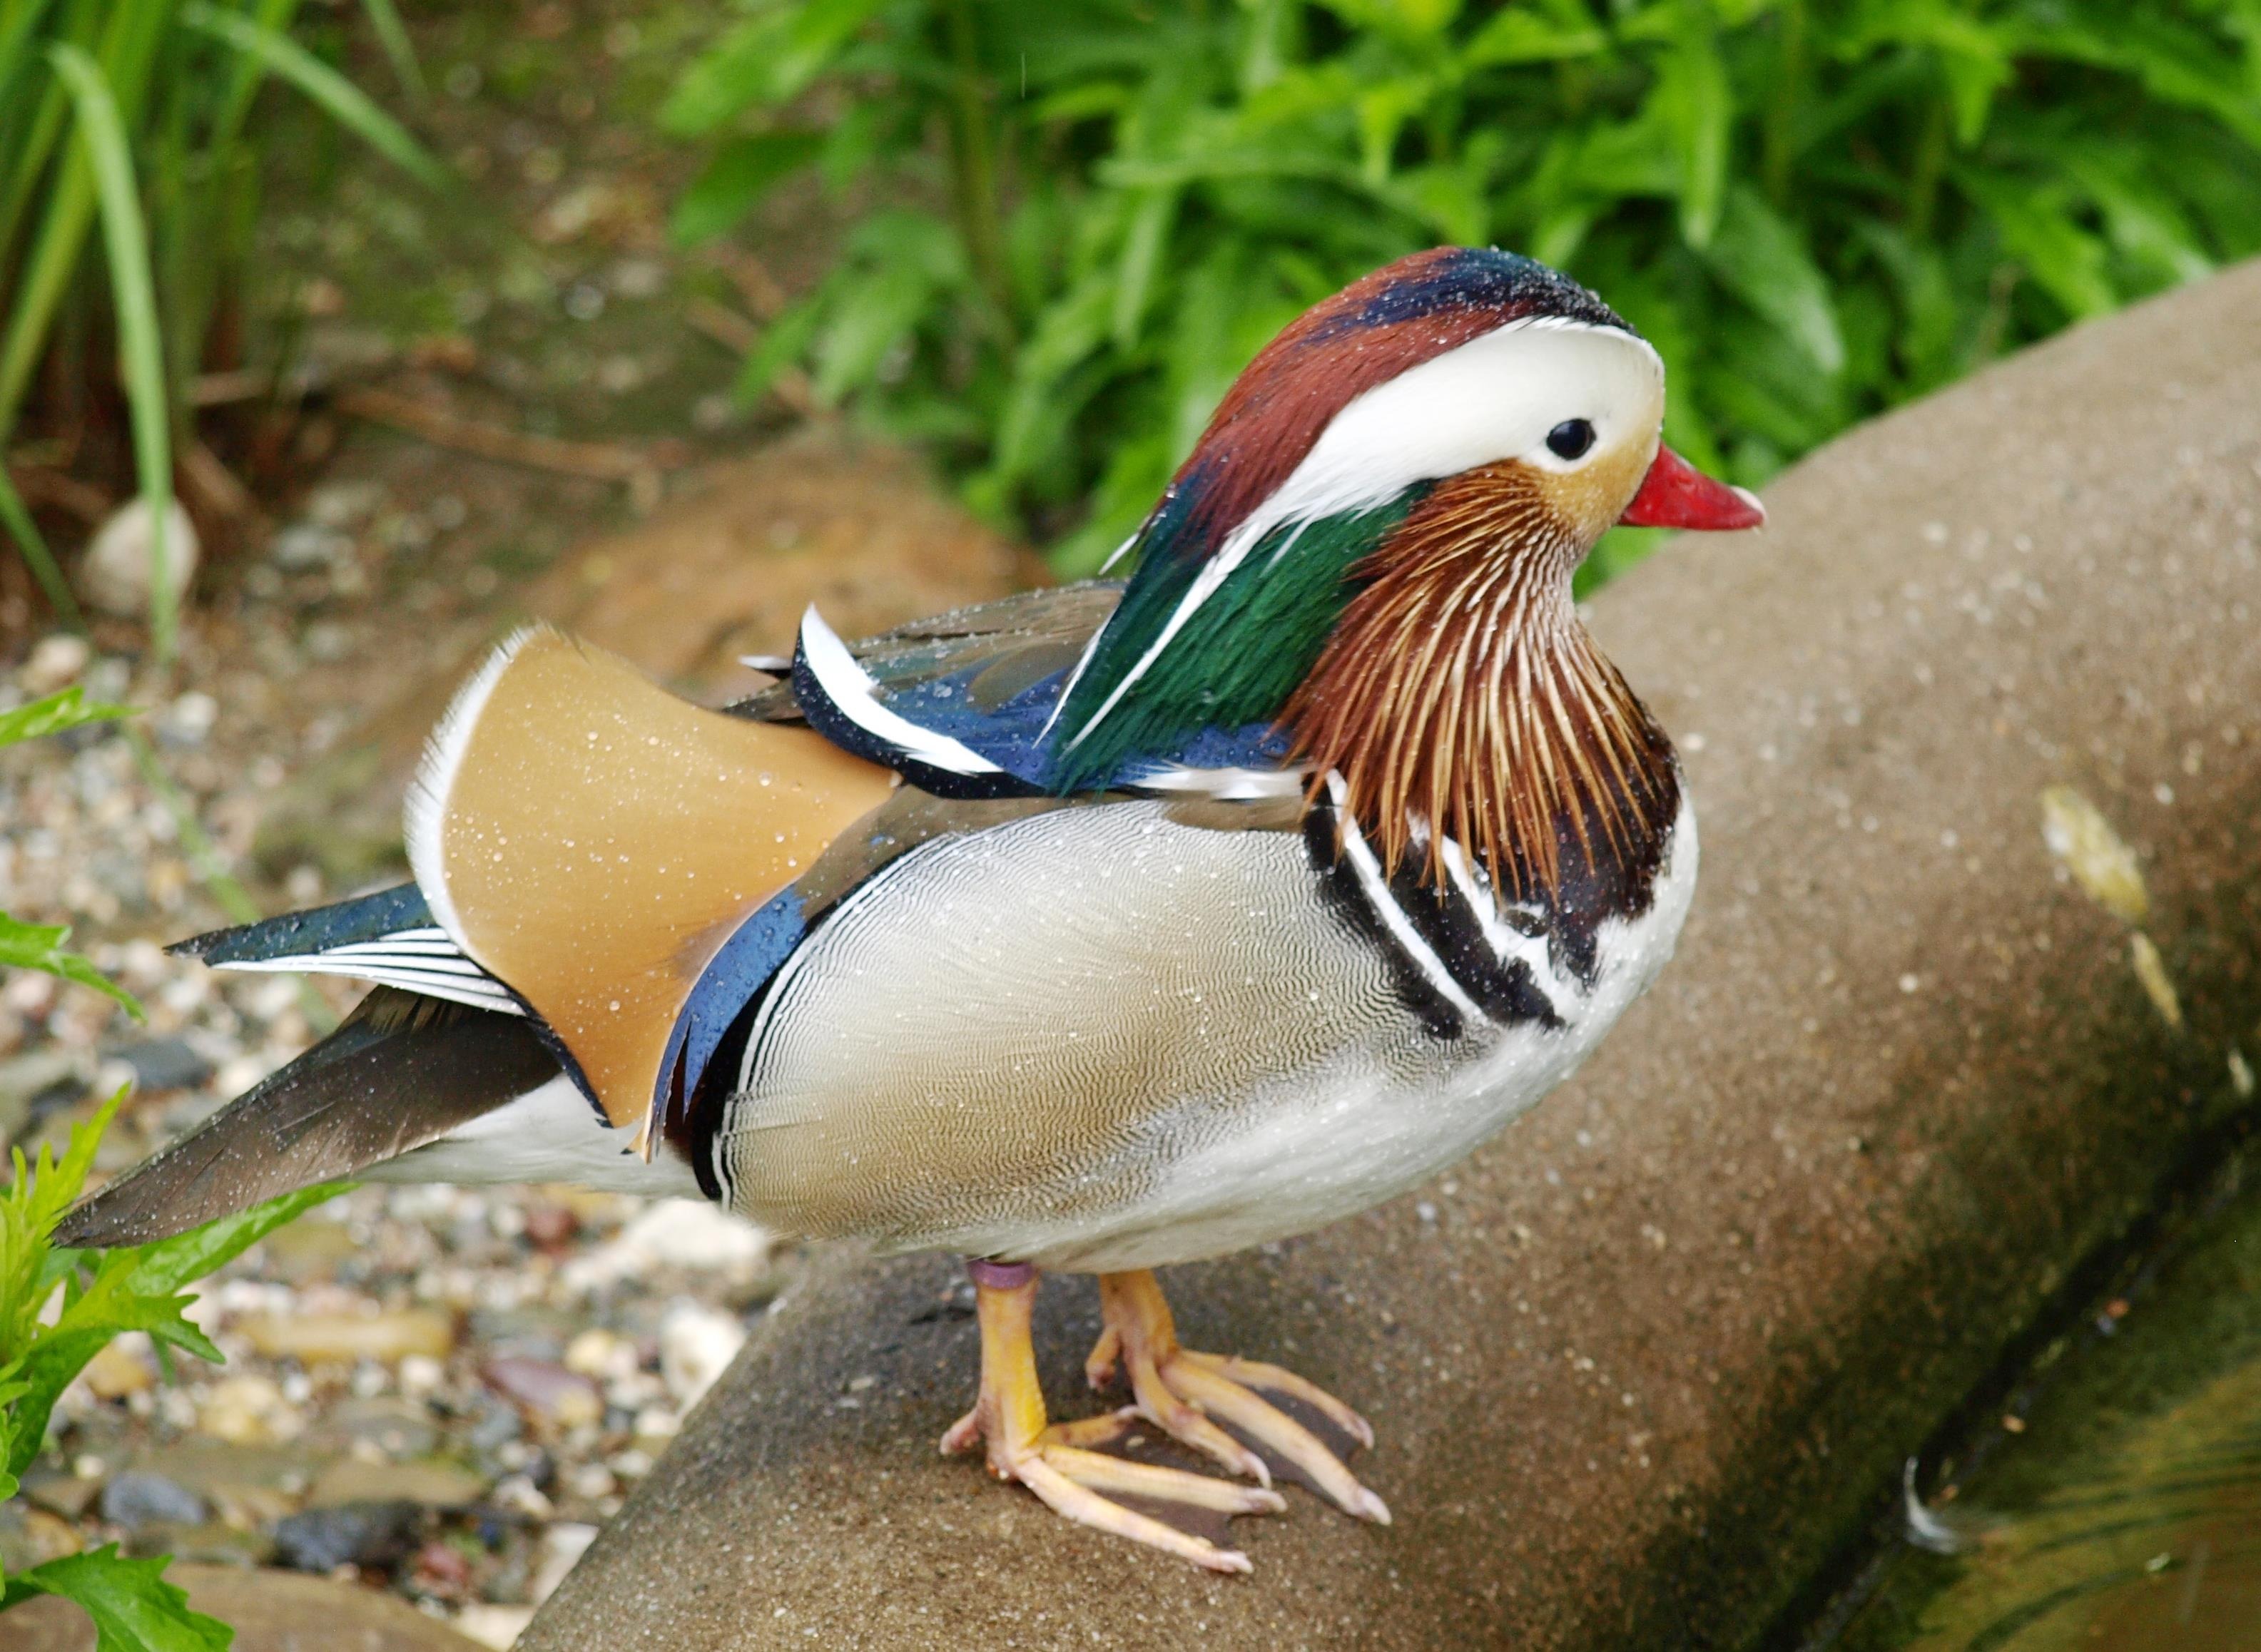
(1570, 439)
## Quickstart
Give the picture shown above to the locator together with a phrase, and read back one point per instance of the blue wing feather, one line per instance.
(304, 935)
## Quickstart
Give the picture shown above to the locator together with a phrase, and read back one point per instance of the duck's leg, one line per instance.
(1056, 1462)
(1189, 1395)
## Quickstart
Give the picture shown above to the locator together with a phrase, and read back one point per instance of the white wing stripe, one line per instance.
(849, 688)
(480, 992)
(1229, 785)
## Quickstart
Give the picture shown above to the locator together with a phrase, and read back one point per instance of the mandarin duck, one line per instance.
(1097, 929)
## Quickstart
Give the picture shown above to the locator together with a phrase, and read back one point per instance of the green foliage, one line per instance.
(1096, 213)
(133, 1608)
(40, 946)
(69, 709)
(45, 1343)
(136, 109)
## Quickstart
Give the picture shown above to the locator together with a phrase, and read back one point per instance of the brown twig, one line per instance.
(764, 293)
(56, 489)
(256, 383)
(603, 461)
(723, 324)
(734, 332)
(214, 485)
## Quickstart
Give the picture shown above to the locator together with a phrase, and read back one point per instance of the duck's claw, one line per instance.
(1181, 1514)
(1254, 1418)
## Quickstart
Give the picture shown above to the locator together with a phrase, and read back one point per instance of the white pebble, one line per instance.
(696, 1344)
(114, 574)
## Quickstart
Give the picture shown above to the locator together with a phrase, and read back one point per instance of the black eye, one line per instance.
(1570, 439)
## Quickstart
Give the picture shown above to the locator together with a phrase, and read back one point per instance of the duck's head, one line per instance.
(1372, 545)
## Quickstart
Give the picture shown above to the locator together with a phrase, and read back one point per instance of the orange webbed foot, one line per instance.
(1256, 1419)
(1181, 1513)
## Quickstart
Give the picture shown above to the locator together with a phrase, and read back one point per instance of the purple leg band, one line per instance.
(1001, 1276)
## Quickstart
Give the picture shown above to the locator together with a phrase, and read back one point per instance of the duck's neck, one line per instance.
(1459, 689)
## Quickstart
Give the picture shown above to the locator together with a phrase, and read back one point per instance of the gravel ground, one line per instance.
(444, 1392)
(440, 1392)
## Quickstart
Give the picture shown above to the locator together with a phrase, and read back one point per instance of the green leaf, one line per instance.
(1692, 95)
(762, 63)
(40, 947)
(1142, 256)
(1413, 23)
(344, 102)
(392, 35)
(869, 315)
(170, 1264)
(1382, 111)
(133, 1608)
(139, 1288)
(32, 546)
(1759, 258)
(42, 1189)
(1519, 35)
(2064, 259)
(784, 342)
(69, 709)
(728, 77)
(733, 183)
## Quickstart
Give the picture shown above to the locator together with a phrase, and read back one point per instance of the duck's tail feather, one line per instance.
(404, 1071)
(389, 938)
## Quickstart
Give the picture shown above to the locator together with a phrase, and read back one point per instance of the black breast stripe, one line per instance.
(1346, 897)
(1505, 990)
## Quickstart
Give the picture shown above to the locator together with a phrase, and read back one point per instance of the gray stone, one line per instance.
(164, 1063)
(115, 573)
(430, 1481)
(305, 547)
(396, 1427)
(134, 1499)
(378, 1534)
(1668, 1341)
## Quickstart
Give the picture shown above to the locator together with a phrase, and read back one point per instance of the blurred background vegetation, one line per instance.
(1074, 223)
(1052, 233)
(138, 111)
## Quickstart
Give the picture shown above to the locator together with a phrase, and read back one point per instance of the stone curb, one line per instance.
(1642, 1365)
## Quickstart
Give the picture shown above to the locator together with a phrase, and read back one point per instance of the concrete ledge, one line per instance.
(1640, 1364)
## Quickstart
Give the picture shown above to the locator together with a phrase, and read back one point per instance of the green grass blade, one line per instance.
(275, 17)
(139, 344)
(31, 545)
(344, 102)
(16, 42)
(47, 275)
(392, 35)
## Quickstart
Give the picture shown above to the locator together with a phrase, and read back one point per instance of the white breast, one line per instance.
(1353, 1145)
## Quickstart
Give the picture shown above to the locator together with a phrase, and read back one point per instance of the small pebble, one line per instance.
(696, 1346)
(134, 1499)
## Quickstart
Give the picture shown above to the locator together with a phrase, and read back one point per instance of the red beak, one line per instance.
(1676, 495)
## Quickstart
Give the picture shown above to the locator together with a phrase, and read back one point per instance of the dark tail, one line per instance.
(402, 1071)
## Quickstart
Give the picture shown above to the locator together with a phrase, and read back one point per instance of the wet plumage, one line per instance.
(1098, 929)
